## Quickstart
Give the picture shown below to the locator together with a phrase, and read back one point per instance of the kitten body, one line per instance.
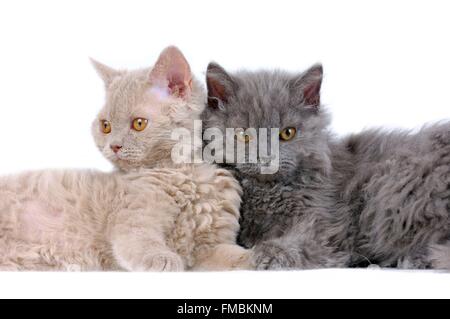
(147, 220)
(374, 197)
(150, 214)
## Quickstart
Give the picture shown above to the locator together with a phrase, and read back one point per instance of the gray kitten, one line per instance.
(377, 197)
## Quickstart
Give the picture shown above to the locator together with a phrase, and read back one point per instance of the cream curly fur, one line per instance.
(151, 215)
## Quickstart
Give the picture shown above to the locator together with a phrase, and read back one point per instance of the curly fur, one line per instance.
(151, 215)
(374, 197)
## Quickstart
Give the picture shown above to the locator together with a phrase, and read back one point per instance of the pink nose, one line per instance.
(115, 148)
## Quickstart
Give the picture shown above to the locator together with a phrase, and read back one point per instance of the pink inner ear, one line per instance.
(178, 84)
(216, 89)
(311, 94)
(172, 71)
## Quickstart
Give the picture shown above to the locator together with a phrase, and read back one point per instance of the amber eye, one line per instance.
(288, 133)
(105, 126)
(139, 124)
(242, 136)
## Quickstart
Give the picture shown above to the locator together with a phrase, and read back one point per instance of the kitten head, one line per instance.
(142, 109)
(289, 102)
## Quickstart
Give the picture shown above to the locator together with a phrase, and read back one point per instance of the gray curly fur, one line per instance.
(375, 197)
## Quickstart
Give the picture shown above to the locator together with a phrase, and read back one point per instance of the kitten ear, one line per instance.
(172, 72)
(220, 85)
(106, 73)
(308, 85)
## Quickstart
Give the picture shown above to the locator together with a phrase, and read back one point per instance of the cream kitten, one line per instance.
(170, 217)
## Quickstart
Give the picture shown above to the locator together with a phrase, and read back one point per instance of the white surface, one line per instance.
(333, 283)
(386, 63)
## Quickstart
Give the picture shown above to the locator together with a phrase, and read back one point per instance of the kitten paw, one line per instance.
(273, 257)
(163, 262)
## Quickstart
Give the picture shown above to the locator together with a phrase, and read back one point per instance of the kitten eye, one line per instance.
(105, 126)
(288, 133)
(139, 124)
(242, 136)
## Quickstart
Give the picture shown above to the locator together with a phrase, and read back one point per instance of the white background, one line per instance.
(387, 63)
